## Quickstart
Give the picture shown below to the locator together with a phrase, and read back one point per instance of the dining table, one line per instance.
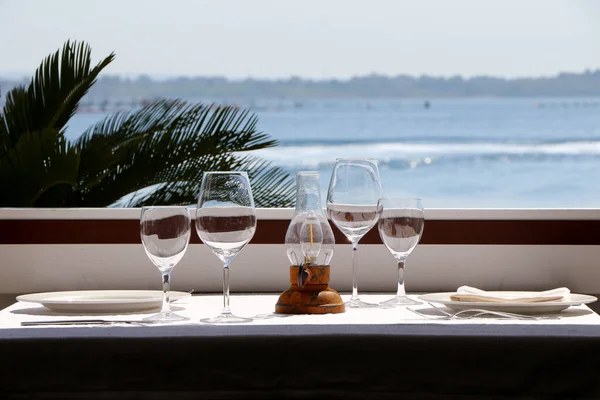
(412, 352)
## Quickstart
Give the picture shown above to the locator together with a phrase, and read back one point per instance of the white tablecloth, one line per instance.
(260, 307)
(365, 353)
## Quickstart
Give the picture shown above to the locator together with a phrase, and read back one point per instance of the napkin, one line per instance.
(467, 293)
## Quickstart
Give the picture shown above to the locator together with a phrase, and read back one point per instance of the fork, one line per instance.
(476, 312)
(491, 312)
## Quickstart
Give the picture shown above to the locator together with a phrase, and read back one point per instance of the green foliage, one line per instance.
(154, 155)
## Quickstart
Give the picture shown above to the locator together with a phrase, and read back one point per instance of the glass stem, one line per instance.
(401, 291)
(354, 277)
(166, 285)
(226, 288)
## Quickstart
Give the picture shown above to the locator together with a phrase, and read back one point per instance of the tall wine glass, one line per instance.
(226, 221)
(400, 227)
(354, 190)
(165, 233)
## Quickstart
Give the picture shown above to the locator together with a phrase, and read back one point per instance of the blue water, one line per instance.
(458, 153)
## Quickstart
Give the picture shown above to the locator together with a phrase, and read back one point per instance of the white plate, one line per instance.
(523, 308)
(101, 301)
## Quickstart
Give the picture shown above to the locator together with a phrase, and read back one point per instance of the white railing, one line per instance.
(28, 268)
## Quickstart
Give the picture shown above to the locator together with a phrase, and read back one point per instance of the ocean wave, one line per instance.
(393, 152)
(307, 142)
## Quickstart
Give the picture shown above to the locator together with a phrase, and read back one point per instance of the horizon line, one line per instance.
(11, 75)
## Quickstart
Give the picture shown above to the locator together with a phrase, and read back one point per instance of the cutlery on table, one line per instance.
(85, 322)
(475, 312)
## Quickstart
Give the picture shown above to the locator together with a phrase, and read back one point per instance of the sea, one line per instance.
(451, 153)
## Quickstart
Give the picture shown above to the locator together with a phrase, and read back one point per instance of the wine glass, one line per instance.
(165, 233)
(225, 221)
(354, 190)
(400, 226)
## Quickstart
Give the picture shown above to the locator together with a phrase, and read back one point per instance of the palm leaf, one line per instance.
(53, 95)
(4, 140)
(168, 144)
(271, 186)
(39, 171)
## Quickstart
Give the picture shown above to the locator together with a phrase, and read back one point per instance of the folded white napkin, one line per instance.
(467, 293)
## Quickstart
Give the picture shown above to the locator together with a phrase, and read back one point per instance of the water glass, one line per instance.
(165, 233)
(226, 222)
(400, 226)
(354, 190)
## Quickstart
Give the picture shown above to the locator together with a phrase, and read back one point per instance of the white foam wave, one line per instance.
(316, 155)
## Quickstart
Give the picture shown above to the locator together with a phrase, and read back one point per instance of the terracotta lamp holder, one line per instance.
(309, 292)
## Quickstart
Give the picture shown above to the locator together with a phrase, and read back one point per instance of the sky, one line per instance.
(316, 39)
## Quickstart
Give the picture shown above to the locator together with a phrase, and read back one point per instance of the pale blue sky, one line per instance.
(310, 38)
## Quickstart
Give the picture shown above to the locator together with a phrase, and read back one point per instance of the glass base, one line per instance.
(399, 301)
(226, 318)
(357, 303)
(166, 317)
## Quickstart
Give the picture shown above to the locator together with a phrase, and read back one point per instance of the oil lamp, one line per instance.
(309, 244)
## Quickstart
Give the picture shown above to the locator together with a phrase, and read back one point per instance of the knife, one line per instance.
(84, 322)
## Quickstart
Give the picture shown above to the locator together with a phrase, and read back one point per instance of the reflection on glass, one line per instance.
(400, 227)
(225, 222)
(165, 234)
(354, 190)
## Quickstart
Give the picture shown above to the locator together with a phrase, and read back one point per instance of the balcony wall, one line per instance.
(75, 249)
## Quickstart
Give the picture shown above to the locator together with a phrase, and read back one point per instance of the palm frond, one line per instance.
(271, 185)
(39, 171)
(4, 140)
(167, 143)
(53, 95)
(106, 145)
